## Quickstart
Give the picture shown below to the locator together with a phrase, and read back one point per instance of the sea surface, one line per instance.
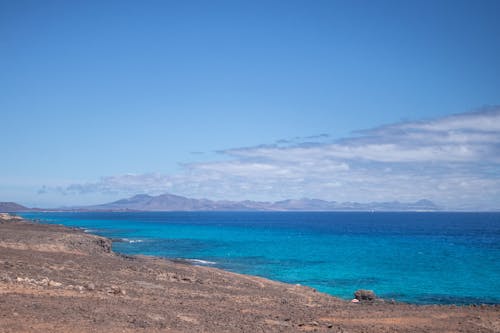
(423, 258)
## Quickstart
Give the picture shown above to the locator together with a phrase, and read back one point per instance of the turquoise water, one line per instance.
(424, 258)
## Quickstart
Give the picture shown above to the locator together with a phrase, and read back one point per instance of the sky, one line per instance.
(263, 100)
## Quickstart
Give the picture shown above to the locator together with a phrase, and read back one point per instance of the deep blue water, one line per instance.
(424, 258)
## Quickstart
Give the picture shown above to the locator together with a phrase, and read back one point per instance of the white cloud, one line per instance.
(454, 161)
(482, 121)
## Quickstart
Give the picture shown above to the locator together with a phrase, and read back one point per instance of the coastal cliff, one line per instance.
(59, 279)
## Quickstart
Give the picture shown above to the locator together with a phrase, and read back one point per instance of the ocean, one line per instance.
(415, 257)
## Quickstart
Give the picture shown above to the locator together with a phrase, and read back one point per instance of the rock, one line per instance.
(54, 284)
(104, 244)
(8, 264)
(138, 323)
(187, 279)
(90, 286)
(6, 217)
(6, 278)
(364, 295)
(115, 290)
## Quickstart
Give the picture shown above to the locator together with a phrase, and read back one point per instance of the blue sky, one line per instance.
(230, 100)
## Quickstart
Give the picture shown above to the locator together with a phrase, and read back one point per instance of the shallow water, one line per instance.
(424, 258)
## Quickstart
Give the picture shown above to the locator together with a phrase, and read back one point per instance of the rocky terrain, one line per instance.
(57, 279)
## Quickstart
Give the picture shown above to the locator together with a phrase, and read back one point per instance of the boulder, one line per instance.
(115, 290)
(90, 286)
(365, 295)
(54, 283)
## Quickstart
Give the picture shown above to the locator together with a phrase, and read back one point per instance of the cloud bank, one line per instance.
(453, 160)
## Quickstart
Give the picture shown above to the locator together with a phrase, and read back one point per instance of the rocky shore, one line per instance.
(58, 279)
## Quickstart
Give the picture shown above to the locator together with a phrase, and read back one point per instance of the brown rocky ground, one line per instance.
(57, 279)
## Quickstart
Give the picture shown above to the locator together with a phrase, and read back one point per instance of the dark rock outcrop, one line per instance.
(365, 295)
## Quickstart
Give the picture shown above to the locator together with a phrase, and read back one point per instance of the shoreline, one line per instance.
(60, 279)
(464, 275)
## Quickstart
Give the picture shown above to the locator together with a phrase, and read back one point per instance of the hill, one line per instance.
(12, 207)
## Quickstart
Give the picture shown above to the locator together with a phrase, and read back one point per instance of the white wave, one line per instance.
(201, 262)
(131, 241)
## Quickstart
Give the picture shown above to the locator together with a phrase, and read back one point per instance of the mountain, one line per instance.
(170, 202)
(12, 207)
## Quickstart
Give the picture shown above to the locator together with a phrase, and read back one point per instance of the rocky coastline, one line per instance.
(60, 279)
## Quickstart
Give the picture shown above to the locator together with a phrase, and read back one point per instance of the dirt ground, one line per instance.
(58, 279)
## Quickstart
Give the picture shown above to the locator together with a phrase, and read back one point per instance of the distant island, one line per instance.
(170, 202)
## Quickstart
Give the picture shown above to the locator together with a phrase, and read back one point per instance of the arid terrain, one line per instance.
(58, 279)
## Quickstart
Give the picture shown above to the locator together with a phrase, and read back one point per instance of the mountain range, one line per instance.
(170, 202)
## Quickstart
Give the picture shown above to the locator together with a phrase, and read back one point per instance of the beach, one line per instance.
(60, 279)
